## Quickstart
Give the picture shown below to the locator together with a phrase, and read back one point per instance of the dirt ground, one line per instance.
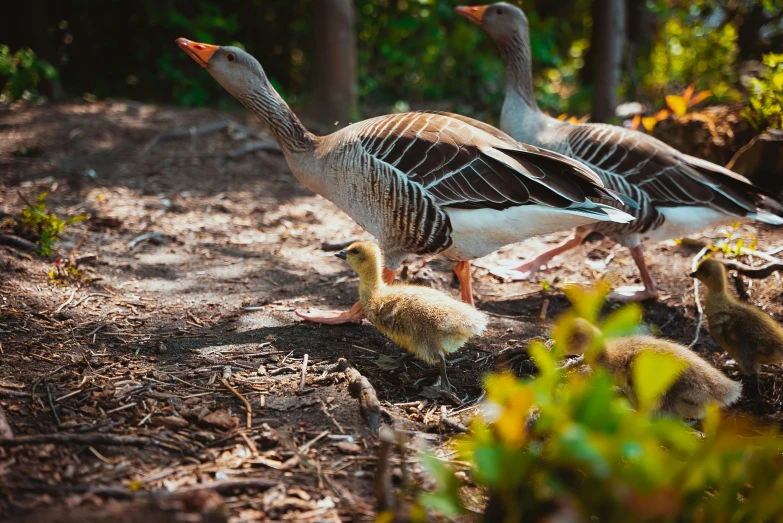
(150, 347)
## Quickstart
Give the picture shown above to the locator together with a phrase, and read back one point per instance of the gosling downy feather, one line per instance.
(425, 322)
(697, 385)
(747, 333)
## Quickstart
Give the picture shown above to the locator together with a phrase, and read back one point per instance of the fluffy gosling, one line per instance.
(748, 334)
(425, 322)
(697, 385)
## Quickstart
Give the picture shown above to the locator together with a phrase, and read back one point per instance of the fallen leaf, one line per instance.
(349, 448)
(172, 422)
(222, 419)
(292, 402)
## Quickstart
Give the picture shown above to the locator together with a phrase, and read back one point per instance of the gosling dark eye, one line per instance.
(353, 251)
(231, 57)
(499, 11)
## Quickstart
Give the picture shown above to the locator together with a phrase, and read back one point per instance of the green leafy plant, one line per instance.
(21, 73)
(765, 102)
(45, 226)
(568, 446)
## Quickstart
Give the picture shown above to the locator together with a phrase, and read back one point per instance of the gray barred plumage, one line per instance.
(631, 163)
(408, 178)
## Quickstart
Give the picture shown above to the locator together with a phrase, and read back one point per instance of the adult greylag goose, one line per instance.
(423, 182)
(677, 194)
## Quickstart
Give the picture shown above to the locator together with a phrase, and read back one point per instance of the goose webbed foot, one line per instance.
(648, 292)
(633, 293)
(355, 315)
(529, 268)
(520, 273)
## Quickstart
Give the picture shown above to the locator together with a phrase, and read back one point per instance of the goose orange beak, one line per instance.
(474, 14)
(201, 53)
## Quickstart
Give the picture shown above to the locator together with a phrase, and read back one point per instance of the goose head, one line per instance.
(365, 258)
(502, 21)
(236, 70)
(711, 273)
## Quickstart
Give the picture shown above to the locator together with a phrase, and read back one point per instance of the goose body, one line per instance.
(425, 322)
(422, 182)
(429, 183)
(677, 194)
(746, 333)
(697, 385)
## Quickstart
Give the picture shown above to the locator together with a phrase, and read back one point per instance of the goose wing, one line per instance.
(463, 163)
(667, 176)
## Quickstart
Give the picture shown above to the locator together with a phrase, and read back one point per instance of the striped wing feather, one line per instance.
(467, 164)
(667, 176)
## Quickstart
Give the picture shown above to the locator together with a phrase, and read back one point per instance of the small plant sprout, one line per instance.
(45, 226)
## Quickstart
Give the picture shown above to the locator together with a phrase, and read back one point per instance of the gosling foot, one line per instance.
(355, 315)
(434, 391)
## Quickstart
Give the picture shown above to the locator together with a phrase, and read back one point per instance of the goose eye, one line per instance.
(499, 11)
(231, 57)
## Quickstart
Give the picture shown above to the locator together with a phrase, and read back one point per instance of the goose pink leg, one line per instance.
(462, 270)
(354, 315)
(528, 269)
(648, 292)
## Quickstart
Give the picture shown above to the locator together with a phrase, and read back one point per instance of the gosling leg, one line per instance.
(754, 392)
(445, 384)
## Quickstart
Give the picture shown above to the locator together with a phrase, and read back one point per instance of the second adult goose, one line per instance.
(677, 194)
(421, 183)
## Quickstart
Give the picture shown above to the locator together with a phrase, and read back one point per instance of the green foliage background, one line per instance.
(410, 52)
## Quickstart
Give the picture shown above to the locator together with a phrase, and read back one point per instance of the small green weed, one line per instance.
(765, 103)
(566, 446)
(45, 226)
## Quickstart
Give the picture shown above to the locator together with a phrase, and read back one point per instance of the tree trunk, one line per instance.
(608, 42)
(334, 90)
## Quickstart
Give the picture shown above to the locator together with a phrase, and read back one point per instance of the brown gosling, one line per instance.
(748, 334)
(699, 384)
(425, 322)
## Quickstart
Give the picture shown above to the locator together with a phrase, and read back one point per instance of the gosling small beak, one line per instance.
(343, 255)
(474, 14)
(692, 275)
(201, 53)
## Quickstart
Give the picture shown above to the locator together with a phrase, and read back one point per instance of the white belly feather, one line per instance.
(478, 232)
(683, 221)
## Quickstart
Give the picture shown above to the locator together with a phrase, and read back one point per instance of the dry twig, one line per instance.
(304, 373)
(368, 400)
(753, 272)
(17, 242)
(78, 439)
(454, 425)
(384, 490)
(5, 428)
(694, 266)
(236, 393)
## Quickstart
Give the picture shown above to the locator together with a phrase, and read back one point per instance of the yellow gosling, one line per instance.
(425, 322)
(699, 384)
(747, 333)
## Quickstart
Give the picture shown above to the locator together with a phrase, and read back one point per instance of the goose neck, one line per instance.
(270, 108)
(519, 68)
